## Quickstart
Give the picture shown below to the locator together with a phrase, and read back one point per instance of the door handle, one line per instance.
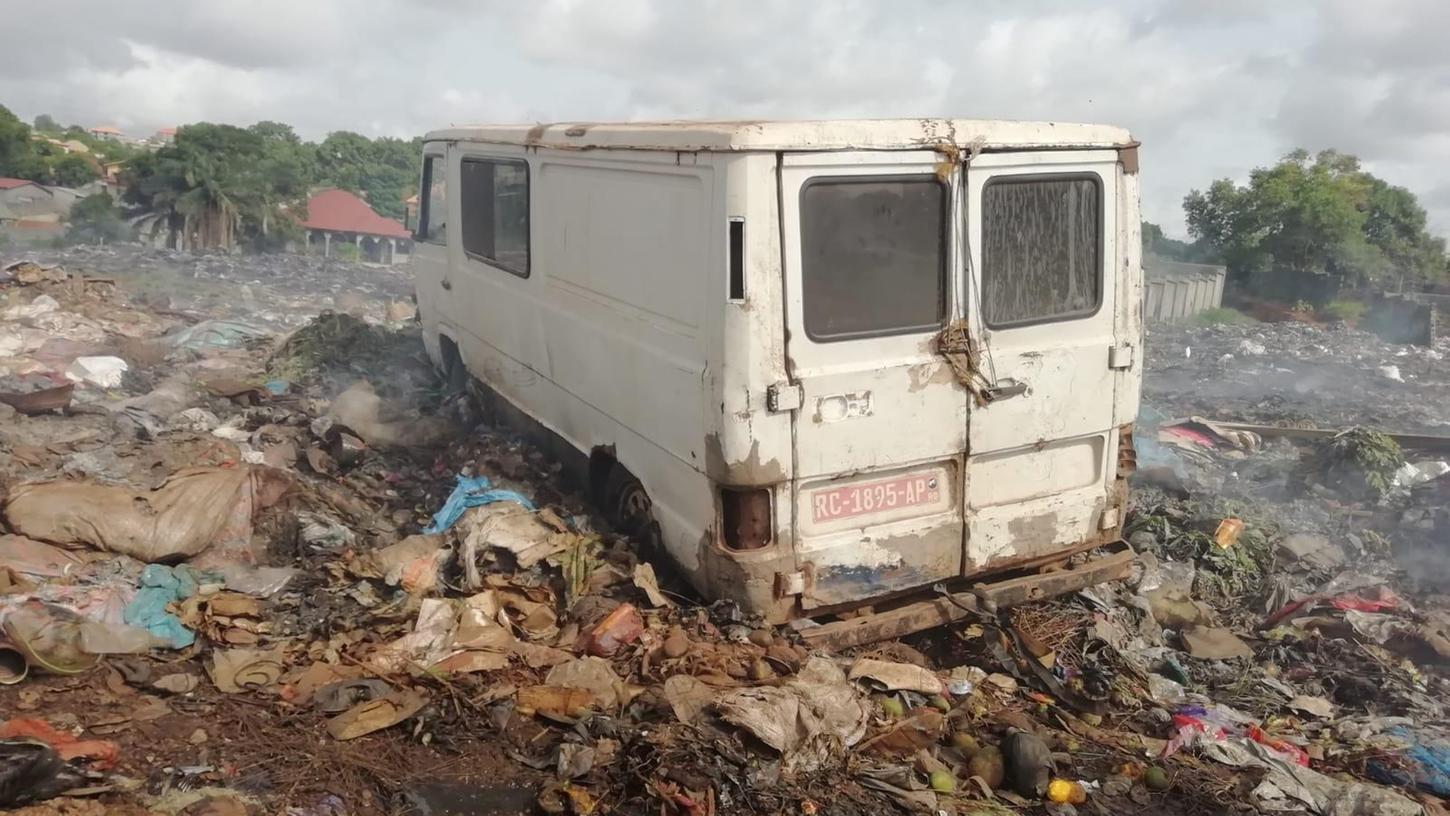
(447, 284)
(1005, 388)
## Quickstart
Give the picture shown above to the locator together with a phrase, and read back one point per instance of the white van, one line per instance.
(821, 364)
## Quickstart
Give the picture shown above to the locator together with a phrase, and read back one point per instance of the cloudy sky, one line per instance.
(1211, 87)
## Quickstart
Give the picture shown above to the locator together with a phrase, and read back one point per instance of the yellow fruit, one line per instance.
(943, 781)
(1063, 790)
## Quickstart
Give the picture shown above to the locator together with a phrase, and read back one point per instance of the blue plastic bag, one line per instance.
(471, 491)
(161, 585)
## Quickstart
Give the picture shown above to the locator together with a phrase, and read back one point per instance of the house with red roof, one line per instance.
(28, 199)
(336, 217)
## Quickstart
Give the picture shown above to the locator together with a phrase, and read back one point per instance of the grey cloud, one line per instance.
(1212, 87)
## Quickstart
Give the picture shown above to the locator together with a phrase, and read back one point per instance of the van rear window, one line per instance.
(495, 198)
(1041, 248)
(873, 255)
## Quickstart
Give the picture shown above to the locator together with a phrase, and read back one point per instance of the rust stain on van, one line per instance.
(928, 374)
(750, 578)
(750, 471)
(1032, 533)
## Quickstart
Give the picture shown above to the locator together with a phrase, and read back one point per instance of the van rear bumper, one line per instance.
(1112, 562)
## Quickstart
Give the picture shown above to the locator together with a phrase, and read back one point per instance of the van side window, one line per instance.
(1041, 248)
(873, 255)
(433, 202)
(495, 198)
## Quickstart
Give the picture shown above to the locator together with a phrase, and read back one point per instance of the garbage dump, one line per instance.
(274, 565)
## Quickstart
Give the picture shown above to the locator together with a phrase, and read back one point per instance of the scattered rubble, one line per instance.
(277, 566)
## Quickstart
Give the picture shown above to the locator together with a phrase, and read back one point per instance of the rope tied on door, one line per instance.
(956, 344)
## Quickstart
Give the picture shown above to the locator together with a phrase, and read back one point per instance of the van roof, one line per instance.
(838, 134)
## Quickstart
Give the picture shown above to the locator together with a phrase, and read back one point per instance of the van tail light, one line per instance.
(747, 518)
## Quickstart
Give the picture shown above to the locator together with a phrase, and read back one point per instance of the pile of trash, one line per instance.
(292, 572)
(1297, 374)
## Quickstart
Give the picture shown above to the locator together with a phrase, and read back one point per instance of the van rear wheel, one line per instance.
(626, 504)
(628, 507)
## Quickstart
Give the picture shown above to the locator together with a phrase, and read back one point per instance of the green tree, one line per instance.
(73, 170)
(218, 185)
(95, 219)
(1310, 227)
(196, 184)
(44, 123)
(286, 169)
(384, 170)
(19, 157)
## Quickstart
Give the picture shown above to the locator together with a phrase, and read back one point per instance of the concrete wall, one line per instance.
(1408, 318)
(1174, 291)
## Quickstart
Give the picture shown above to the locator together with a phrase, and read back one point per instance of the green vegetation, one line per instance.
(1344, 311)
(1186, 533)
(1224, 316)
(95, 219)
(1357, 461)
(219, 186)
(347, 252)
(24, 156)
(1313, 227)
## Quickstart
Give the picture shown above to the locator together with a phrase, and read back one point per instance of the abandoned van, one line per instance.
(822, 365)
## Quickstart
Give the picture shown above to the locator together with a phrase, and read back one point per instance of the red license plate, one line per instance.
(862, 498)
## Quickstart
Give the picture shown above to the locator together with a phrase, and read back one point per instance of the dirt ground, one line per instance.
(523, 659)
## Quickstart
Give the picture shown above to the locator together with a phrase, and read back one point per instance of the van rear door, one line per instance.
(880, 431)
(1041, 228)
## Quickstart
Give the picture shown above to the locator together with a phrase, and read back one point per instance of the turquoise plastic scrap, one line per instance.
(162, 585)
(471, 491)
(1427, 762)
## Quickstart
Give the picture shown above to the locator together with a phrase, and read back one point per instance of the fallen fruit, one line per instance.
(892, 707)
(1065, 790)
(987, 763)
(964, 742)
(676, 643)
(939, 703)
(1156, 779)
(943, 781)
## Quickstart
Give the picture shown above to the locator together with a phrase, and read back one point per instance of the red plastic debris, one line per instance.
(102, 753)
(620, 627)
